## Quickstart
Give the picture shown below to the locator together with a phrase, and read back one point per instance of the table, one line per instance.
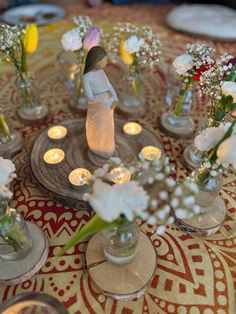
(193, 275)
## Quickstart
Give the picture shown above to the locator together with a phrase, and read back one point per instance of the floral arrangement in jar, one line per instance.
(190, 66)
(80, 40)
(218, 145)
(218, 83)
(149, 192)
(15, 239)
(16, 42)
(136, 46)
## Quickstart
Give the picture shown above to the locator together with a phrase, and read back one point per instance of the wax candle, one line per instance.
(132, 129)
(120, 175)
(57, 132)
(150, 152)
(54, 156)
(79, 177)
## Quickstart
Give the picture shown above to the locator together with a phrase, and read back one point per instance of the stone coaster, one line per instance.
(16, 272)
(125, 282)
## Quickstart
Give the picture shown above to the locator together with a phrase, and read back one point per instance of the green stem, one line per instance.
(182, 95)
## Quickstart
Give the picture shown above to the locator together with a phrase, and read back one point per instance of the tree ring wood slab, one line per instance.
(16, 272)
(55, 181)
(131, 280)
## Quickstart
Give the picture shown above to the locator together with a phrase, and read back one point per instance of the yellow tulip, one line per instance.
(30, 39)
(125, 55)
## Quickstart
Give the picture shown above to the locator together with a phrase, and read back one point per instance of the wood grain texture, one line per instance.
(55, 180)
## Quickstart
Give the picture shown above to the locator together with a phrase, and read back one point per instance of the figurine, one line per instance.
(102, 100)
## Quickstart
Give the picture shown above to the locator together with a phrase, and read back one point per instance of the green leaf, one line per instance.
(3, 126)
(95, 224)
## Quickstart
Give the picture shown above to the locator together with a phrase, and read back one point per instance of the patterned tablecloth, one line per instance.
(193, 275)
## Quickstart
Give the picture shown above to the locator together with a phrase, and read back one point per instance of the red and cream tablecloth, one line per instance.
(193, 275)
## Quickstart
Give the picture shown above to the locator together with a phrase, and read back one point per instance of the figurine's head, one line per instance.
(96, 59)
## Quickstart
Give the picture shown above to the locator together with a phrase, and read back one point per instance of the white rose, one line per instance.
(229, 89)
(226, 152)
(7, 169)
(71, 40)
(209, 137)
(183, 63)
(133, 44)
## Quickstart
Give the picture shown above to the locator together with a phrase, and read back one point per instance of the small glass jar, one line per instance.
(10, 140)
(132, 98)
(120, 243)
(31, 109)
(69, 67)
(212, 207)
(15, 239)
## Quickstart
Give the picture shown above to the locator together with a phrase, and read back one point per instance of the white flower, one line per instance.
(183, 64)
(109, 202)
(133, 44)
(209, 137)
(229, 89)
(7, 169)
(226, 152)
(71, 40)
(160, 229)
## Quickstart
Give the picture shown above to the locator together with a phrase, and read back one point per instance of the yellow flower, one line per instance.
(125, 56)
(30, 39)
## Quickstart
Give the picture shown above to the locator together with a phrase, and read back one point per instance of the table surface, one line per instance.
(193, 275)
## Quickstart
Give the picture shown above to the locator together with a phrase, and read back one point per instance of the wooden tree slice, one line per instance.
(54, 180)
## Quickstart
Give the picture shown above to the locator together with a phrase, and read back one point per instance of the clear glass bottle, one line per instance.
(31, 109)
(212, 207)
(10, 139)
(132, 98)
(15, 238)
(120, 243)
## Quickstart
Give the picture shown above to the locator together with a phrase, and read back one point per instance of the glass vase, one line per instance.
(31, 109)
(69, 67)
(81, 99)
(193, 157)
(179, 125)
(120, 243)
(15, 238)
(132, 98)
(212, 208)
(10, 139)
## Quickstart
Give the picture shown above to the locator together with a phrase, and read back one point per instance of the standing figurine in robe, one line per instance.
(102, 100)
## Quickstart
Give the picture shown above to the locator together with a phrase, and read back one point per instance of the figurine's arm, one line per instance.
(111, 89)
(91, 97)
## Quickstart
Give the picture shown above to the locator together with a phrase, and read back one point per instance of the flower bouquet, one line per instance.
(80, 40)
(189, 67)
(218, 144)
(15, 241)
(15, 43)
(152, 195)
(218, 84)
(136, 46)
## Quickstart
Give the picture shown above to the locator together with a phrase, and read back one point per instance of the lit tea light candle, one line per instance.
(132, 129)
(120, 175)
(79, 177)
(57, 132)
(54, 156)
(150, 152)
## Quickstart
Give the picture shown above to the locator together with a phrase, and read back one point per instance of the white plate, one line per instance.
(214, 21)
(33, 13)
